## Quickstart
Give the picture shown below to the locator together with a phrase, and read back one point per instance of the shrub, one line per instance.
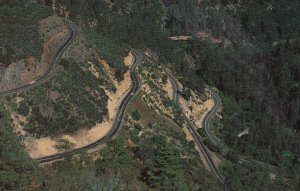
(164, 79)
(136, 115)
(23, 108)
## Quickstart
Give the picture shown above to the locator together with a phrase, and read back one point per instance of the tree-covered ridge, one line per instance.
(133, 22)
(17, 170)
(15, 18)
(63, 106)
(150, 153)
(258, 72)
(268, 21)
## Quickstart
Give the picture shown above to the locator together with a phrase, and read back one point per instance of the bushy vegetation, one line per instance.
(137, 23)
(23, 108)
(17, 170)
(251, 177)
(258, 73)
(72, 99)
(165, 153)
(19, 35)
(118, 24)
(136, 115)
(155, 156)
(111, 49)
(244, 80)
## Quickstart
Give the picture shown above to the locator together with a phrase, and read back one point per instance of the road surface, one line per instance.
(57, 58)
(117, 121)
(214, 140)
(207, 119)
(120, 113)
(196, 136)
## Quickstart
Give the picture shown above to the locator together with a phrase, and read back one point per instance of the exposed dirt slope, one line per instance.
(29, 69)
(45, 146)
(196, 107)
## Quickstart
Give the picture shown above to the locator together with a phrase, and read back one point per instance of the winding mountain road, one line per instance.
(215, 141)
(57, 58)
(210, 115)
(206, 124)
(120, 112)
(196, 136)
(117, 121)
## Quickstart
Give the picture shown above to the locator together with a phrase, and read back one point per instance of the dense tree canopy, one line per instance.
(253, 58)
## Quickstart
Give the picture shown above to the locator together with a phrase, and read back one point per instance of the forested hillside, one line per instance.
(261, 63)
(248, 50)
(258, 73)
(15, 45)
(17, 170)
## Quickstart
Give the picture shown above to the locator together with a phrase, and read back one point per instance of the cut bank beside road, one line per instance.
(38, 148)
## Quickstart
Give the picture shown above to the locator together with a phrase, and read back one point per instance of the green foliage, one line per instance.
(245, 107)
(19, 35)
(134, 133)
(64, 145)
(166, 171)
(164, 79)
(253, 178)
(17, 170)
(131, 22)
(159, 159)
(182, 16)
(23, 108)
(259, 78)
(186, 94)
(79, 174)
(287, 154)
(212, 147)
(136, 115)
(258, 73)
(232, 156)
(112, 49)
(56, 106)
(269, 21)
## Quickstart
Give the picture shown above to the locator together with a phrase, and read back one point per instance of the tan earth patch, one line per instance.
(199, 108)
(169, 89)
(204, 35)
(45, 146)
(189, 137)
(156, 102)
(81, 51)
(28, 70)
(214, 158)
(208, 105)
(179, 38)
(53, 95)
(40, 147)
(197, 115)
(128, 60)
(18, 123)
(93, 70)
(121, 87)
